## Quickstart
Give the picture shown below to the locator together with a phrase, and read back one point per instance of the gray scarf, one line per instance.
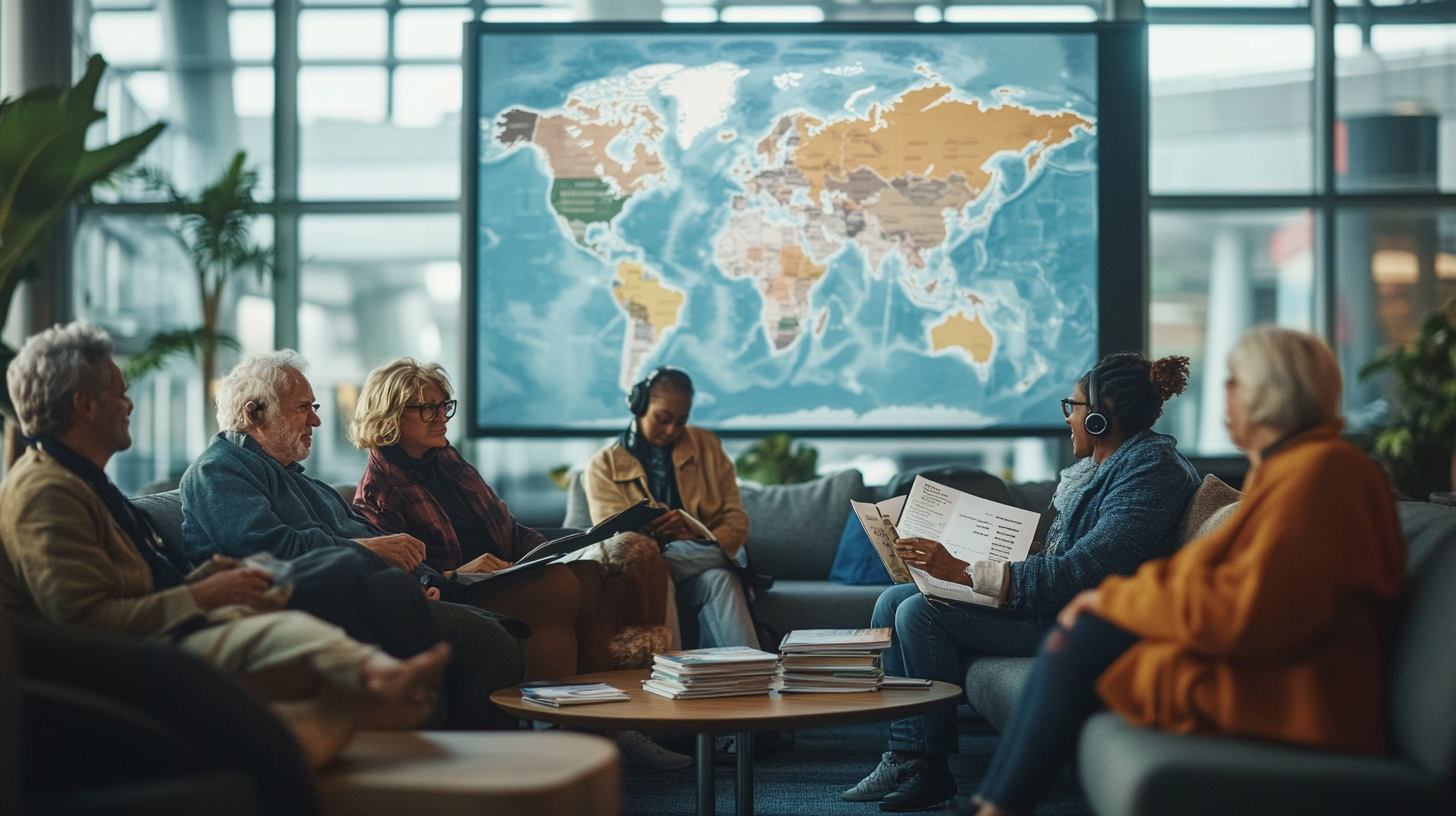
(1073, 484)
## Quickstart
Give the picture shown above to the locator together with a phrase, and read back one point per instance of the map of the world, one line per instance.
(826, 231)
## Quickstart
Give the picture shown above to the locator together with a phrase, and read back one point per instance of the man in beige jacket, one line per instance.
(73, 550)
(684, 469)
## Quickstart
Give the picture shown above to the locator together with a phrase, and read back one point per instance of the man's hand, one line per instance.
(400, 550)
(486, 563)
(922, 553)
(235, 585)
(671, 526)
(1086, 601)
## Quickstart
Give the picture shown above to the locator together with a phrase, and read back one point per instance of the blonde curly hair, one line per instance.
(387, 390)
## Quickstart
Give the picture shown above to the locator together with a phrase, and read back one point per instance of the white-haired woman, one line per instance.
(1269, 627)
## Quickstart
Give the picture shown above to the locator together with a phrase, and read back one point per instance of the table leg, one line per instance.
(706, 805)
(745, 773)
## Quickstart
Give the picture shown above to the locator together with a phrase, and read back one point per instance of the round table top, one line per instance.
(760, 712)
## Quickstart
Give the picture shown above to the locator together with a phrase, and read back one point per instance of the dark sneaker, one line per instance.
(927, 786)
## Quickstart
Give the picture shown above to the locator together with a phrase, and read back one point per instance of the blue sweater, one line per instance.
(237, 500)
(1127, 514)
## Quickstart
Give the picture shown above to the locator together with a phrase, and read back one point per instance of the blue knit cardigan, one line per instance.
(1126, 515)
(237, 500)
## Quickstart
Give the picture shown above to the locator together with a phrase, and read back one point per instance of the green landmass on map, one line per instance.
(583, 201)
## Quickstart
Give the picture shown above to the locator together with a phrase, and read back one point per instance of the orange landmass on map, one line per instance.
(969, 334)
(646, 298)
(578, 149)
(923, 133)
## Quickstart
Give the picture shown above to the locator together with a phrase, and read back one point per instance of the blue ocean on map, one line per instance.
(828, 232)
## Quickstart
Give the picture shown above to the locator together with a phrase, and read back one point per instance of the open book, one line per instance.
(969, 527)
(630, 520)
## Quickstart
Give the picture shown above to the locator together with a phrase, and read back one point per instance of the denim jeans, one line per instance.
(708, 587)
(929, 641)
(1059, 696)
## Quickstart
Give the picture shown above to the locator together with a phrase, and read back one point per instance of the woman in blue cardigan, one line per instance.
(1117, 507)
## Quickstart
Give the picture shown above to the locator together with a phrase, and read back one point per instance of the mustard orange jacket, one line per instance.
(1272, 626)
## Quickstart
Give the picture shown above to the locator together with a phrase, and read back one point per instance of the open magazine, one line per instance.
(969, 527)
(630, 520)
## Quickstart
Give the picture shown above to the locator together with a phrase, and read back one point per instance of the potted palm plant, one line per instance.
(1417, 445)
(44, 168)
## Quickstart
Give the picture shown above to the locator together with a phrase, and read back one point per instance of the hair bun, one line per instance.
(1169, 376)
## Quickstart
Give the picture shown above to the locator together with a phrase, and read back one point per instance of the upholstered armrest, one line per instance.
(1130, 771)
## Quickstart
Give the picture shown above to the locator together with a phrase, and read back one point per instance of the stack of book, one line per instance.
(729, 671)
(566, 695)
(828, 660)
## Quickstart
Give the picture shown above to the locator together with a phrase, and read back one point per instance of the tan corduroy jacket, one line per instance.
(65, 559)
(615, 481)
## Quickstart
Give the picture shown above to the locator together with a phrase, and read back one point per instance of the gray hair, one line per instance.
(257, 378)
(1291, 379)
(50, 368)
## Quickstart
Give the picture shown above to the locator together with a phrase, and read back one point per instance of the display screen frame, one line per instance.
(1122, 194)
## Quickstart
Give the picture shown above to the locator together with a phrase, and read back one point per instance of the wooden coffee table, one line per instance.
(739, 715)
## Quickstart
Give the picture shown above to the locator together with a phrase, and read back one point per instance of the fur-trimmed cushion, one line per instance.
(1210, 506)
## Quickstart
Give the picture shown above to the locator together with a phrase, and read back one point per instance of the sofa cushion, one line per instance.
(1129, 771)
(1210, 506)
(970, 480)
(855, 562)
(794, 529)
(993, 684)
(791, 605)
(165, 510)
(577, 514)
(1422, 660)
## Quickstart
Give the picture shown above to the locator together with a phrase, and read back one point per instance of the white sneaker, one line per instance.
(645, 755)
(884, 779)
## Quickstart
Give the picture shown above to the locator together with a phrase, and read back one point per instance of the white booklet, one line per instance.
(969, 527)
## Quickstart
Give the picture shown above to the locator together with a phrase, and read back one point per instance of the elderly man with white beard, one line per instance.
(247, 493)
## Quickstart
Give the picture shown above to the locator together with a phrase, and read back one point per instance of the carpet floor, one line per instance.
(806, 780)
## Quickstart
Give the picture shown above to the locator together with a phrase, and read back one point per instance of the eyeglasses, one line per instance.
(430, 410)
(1068, 405)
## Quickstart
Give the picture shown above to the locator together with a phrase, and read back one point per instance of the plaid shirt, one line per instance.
(395, 503)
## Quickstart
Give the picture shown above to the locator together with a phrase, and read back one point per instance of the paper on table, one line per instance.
(969, 527)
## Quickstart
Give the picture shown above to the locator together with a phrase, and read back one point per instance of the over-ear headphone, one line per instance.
(641, 393)
(1096, 422)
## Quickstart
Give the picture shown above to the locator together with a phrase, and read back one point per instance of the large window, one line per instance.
(1302, 171)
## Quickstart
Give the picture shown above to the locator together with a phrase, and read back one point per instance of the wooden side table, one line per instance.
(734, 715)
(457, 773)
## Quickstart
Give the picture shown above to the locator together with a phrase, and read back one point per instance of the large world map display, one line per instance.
(828, 232)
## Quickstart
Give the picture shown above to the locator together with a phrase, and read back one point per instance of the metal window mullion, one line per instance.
(1322, 17)
(287, 290)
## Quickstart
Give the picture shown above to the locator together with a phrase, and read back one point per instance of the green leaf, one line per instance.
(163, 346)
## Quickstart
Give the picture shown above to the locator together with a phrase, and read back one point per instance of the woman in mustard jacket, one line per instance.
(1269, 627)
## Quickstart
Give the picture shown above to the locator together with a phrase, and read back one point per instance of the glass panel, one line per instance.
(414, 156)
(1213, 275)
(509, 14)
(127, 37)
(429, 32)
(1228, 3)
(211, 109)
(1397, 108)
(343, 34)
(1230, 108)
(689, 14)
(772, 14)
(1394, 267)
(374, 288)
(132, 279)
(1020, 14)
(250, 34)
(425, 95)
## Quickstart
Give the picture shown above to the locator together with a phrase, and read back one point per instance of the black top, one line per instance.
(470, 528)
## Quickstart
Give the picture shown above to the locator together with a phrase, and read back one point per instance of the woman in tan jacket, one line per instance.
(684, 469)
(1269, 627)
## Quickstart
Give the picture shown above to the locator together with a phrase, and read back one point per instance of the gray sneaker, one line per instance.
(884, 779)
(645, 755)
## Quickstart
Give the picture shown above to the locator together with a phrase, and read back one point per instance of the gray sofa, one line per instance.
(794, 536)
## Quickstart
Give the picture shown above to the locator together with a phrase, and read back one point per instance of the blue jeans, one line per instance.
(708, 587)
(929, 641)
(1059, 696)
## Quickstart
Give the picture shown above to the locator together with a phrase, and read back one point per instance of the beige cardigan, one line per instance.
(65, 559)
(615, 481)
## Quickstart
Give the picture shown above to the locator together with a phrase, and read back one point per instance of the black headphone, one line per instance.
(641, 393)
(1096, 422)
